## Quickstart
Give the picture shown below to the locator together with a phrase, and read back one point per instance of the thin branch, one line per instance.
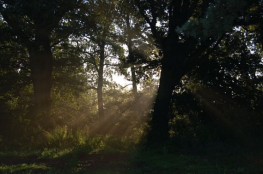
(106, 64)
(122, 87)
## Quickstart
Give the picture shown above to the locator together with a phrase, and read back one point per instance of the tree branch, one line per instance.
(152, 23)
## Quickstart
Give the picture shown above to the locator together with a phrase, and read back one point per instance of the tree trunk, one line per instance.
(131, 56)
(134, 83)
(100, 81)
(171, 74)
(41, 72)
(159, 127)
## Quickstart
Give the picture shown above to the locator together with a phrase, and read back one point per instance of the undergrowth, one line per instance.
(68, 150)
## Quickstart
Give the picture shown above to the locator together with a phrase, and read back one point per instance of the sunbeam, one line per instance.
(224, 111)
(125, 120)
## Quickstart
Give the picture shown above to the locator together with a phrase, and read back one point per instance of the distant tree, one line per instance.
(72, 103)
(99, 44)
(140, 47)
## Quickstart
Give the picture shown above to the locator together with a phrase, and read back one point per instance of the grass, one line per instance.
(24, 168)
(186, 163)
(145, 162)
(111, 155)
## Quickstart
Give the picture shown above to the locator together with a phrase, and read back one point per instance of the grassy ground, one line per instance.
(123, 163)
(118, 157)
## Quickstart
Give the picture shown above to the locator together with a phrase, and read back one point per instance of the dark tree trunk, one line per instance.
(160, 116)
(41, 72)
(100, 81)
(171, 74)
(159, 125)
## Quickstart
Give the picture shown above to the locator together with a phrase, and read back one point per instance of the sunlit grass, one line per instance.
(20, 154)
(24, 168)
(140, 161)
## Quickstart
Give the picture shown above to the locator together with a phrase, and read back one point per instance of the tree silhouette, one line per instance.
(34, 22)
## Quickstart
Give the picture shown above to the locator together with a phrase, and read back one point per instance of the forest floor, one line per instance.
(122, 163)
(91, 162)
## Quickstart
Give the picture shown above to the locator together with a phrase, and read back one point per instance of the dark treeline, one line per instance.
(194, 67)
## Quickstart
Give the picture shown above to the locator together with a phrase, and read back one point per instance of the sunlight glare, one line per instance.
(120, 80)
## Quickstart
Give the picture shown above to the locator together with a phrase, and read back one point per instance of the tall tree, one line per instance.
(185, 31)
(100, 44)
(34, 23)
(140, 47)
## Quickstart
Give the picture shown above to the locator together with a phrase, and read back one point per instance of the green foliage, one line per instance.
(117, 145)
(217, 102)
(61, 137)
(219, 19)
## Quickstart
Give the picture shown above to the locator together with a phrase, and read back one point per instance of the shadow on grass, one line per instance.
(115, 156)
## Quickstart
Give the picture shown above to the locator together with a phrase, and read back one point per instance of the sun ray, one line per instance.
(219, 107)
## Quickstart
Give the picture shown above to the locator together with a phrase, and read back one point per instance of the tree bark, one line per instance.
(100, 80)
(41, 61)
(171, 74)
(159, 124)
(160, 117)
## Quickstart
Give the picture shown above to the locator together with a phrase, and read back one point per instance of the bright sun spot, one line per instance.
(120, 79)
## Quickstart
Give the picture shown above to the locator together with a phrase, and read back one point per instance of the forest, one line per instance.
(131, 86)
